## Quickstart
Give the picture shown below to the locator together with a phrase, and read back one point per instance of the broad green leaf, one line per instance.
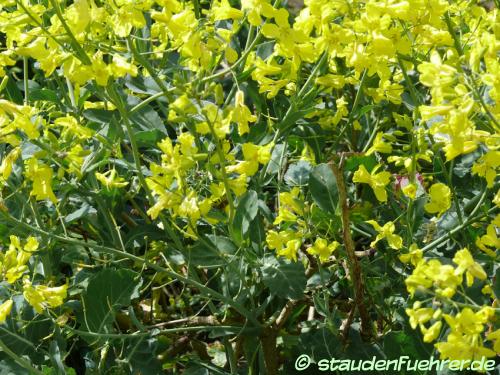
(352, 164)
(84, 211)
(101, 116)
(284, 278)
(211, 250)
(148, 138)
(323, 187)
(142, 357)
(298, 173)
(12, 91)
(146, 118)
(44, 95)
(107, 291)
(142, 85)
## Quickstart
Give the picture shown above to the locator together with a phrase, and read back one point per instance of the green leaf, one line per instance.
(274, 165)
(107, 291)
(211, 250)
(367, 108)
(101, 116)
(44, 95)
(323, 187)
(148, 138)
(142, 85)
(13, 92)
(284, 278)
(354, 162)
(246, 211)
(142, 357)
(146, 118)
(298, 173)
(85, 210)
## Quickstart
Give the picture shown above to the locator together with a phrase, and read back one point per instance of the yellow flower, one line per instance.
(42, 296)
(13, 262)
(286, 243)
(253, 155)
(432, 273)
(496, 199)
(435, 73)
(71, 126)
(239, 184)
(189, 207)
(419, 316)
(487, 290)
(463, 347)
(413, 256)
(440, 199)
(323, 249)
(289, 207)
(490, 239)
(466, 263)
(8, 162)
(241, 114)
(78, 16)
(41, 176)
(495, 336)
(486, 166)
(377, 181)
(379, 145)
(292, 42)
(5, 309)
(256, 9)
(387, 232)
(121, 67)
(125, 18)
(75, 158)
(464, 341)
(410, 190)
(110, 179)
(431, 333)
(290, 250)
(222, 10)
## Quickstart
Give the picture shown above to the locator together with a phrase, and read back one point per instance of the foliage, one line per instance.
(219, 186)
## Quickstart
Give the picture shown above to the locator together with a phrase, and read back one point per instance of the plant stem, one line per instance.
(354, 267)
(80, 52)
(25, 81)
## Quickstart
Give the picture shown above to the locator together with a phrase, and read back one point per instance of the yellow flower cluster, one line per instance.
(13, 264)
(464, 340)
(292, 217)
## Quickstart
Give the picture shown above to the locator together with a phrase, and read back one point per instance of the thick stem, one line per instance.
(269, 347)
(354, 267)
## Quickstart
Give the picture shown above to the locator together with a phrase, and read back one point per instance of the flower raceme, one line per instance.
(13, 265)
